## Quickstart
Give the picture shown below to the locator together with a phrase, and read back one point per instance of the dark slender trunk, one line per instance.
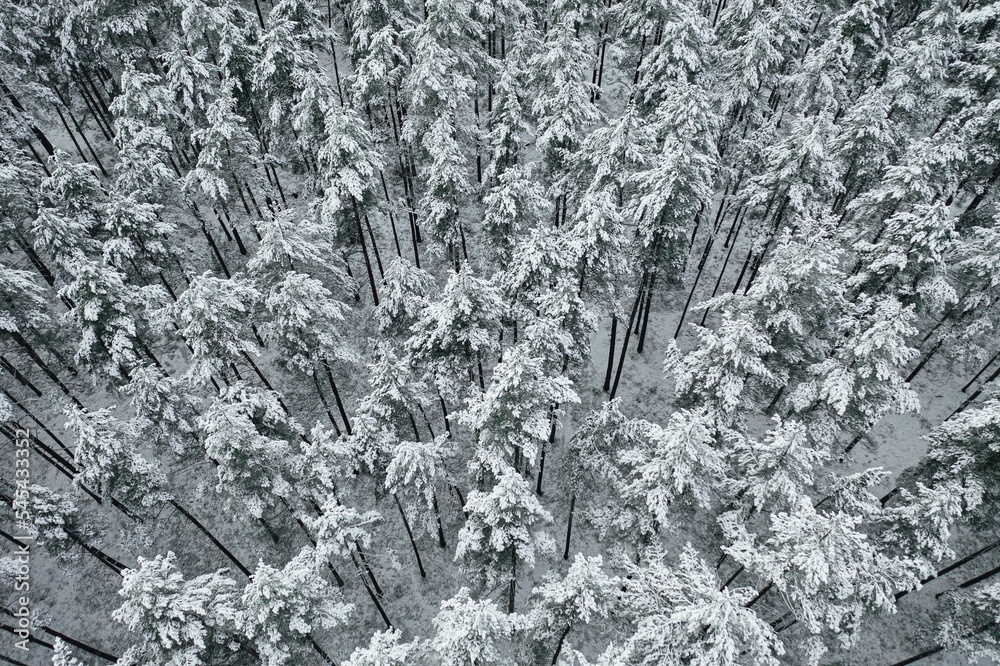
(569, 525)
(559, 644)
(371, 573)
(378, 255)
(44, 367)
(645, 316)
(977, 392)
(621, 358)
(43, 270)
(218, 544)
(611, 353)
(722, 271)
(364, 251)
(437, 516)
(551, 441)
(760, 595)
(513, 582)
(694, 285)
(954, 565)
(215, 250)
(16, 374)
(336, 396)
(320, 650)
(409, 533)
(730, 580)
(979, 374)
(378, 605)
(923, 361)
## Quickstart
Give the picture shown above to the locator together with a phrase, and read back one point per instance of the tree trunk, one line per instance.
(409, 533)
(336, 396)
(562, 638)
(611, 353)
(645, 316)
(437, 516)
(694, 285)
(951, 567)
(364, 251)
(621, 358)
(218, 544)
(569, 526)
(978, 374)
(513, 582)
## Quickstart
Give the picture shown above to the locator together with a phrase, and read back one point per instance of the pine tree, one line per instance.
(145, 117)
(292, 241)
(178, 621)
(860, 383)
(514, 415)
(228, 151)
(107, 455)
(58, 522)
(457, 330)
(562, 107)
(585, 594)
(279, 609)
(69, 211)
(405, 290)
(825, 567)
(379, 46)
(775, 472)
(679, 614)
(62, 656)
(440, 87)
(22, 301)
(213, 315)
(111, 316)
(418, 465)
(471, 633)
(681, 457)
(969, 623)
(962, 456)
(288, 75)
(249, 434)
(166, 412)
(502, 532)
(347, 166)
(384, 649)
(919, 524)
(341, 530)
(304, 322)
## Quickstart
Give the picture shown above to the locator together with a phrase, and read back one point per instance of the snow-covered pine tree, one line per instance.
(678, 613)
(177, 620)
(58, 522)
(165, 410)
(458, 332)
(471, 633)
(62, 655)
(384, 649)
(440, 88)
(213, 315)
(585, 594)
(116, 320)
(281, 608)
(251, 437)
(109, 461)
(502, 533)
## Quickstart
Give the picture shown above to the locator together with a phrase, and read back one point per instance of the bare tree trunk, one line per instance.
(409, 533)
(611, 353)
(569, 525)
(621, 358)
